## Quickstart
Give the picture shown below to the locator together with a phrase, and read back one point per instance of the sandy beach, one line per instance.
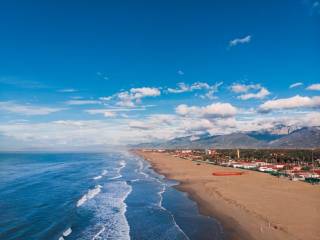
(251, 206)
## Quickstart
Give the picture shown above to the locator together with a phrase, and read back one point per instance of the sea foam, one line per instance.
(97, 236)
(89, 195)
(118, 175)
(67, 232)
(110, 209)
(160, 181)
(104, 172)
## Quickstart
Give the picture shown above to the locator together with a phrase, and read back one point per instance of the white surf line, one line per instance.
(122, 211)
(125, 208)
(161, 196)
(141, 168)
(89, 195)
(116, 177)
(161, 199)
(97, 177)
(122, 165)
(163, 208)
(179, 228)
(170, 213)
(66, 233)
(104, 172)
(99, 233)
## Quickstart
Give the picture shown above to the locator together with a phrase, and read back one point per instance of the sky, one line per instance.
(87, 74)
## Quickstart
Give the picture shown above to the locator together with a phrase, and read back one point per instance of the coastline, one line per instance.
(248, 207)
(231, 229)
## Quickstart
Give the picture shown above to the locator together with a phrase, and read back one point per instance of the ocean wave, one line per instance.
(97, 236)
(160, 193)
(66, 233)
(160, 180)
(89, 195)
(118, 175)
(122, 163)
(135, 180)
(97, 177)
(110, 209)
(104, 172)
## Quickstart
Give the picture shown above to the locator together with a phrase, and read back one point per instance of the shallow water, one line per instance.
(94, 196)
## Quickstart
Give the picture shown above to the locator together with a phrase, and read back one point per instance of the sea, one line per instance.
(94, 196)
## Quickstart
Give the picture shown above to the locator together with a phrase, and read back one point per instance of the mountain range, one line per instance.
(307, 137)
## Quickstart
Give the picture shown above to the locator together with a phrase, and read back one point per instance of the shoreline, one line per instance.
(239, 210)
(231, 229)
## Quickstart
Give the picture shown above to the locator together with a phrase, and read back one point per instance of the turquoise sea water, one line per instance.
(94, 196)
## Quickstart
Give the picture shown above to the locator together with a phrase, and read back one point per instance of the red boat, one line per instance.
(227, 173)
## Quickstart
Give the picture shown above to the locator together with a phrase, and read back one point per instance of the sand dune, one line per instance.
(251, 206)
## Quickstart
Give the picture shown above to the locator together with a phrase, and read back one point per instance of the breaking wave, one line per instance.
(89, 195)
(104, 172)
(66, 233)
(110, 209)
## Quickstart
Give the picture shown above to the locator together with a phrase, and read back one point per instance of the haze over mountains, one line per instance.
(307, 137)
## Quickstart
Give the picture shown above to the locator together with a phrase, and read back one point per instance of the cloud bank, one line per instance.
(290, 103)
(26, 109)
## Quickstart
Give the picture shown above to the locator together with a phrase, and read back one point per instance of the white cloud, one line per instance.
(140, 125)
(130, 98)
(109, 114)
(262, 93)
(21, 83)
(102, 75)
(249, 91)
(112, 111)
(191, 125)
(105, 98)
(243, 88)
(82, 102)
(217, 126)
(25, 109)
(154, 121)
(237, 41)
(95, 111)
(294, 85)
(209, 95)
(158, 119)
(214, 110)
(315, 8)
(183, 87)
(290, 103)
(144, 92)
(134, 95)
(180, 72)
(67, 90)
(67, 134)
(125, 99)
(315, 87)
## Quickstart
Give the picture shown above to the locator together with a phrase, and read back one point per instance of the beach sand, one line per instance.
(251, 206)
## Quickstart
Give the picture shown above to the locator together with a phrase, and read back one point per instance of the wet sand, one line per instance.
(251, 206)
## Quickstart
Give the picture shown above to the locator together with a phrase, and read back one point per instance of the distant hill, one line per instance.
(301, 138)
(234, 140)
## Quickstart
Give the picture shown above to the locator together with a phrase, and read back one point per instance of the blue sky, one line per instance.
(84, 73)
